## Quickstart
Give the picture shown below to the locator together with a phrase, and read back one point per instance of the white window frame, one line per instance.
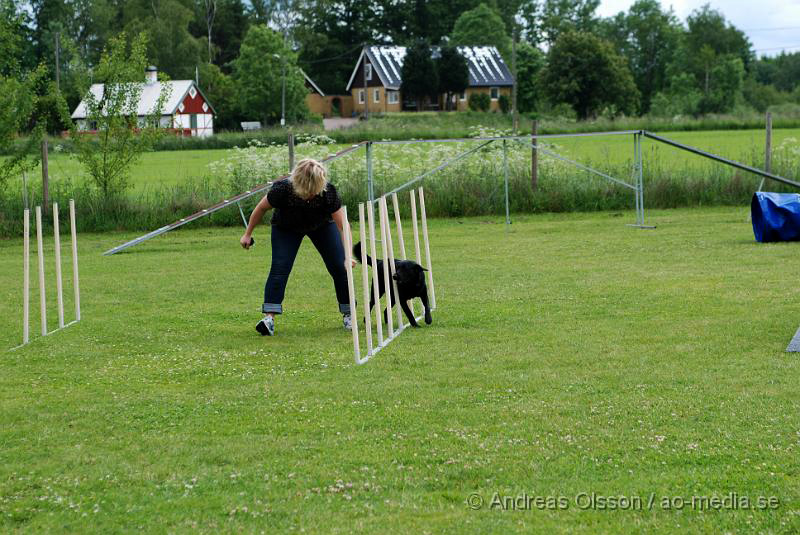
(376, 95)
(492, 91)
(361, 96)
(392, 97)
(368, 69)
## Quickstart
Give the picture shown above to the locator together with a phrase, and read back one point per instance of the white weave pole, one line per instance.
(365, 279)
(59, 282)
(400, 238)
(386, 280)
(75, 284)
(414, 227)
(348, 264)
(427, 246)
(42, 299)
(26, 283)
(375, 274)
(392, 268)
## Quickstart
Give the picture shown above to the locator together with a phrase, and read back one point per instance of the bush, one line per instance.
(479, 102)
(505, 103)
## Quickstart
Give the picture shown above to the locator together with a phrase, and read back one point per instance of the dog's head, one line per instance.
(410, 273)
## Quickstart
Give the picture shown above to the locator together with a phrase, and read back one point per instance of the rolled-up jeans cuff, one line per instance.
(275, 308)
(344, 308)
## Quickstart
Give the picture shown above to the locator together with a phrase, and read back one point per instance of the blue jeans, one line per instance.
(285, 244)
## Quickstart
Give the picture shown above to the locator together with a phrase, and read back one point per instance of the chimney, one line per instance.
(151, 75)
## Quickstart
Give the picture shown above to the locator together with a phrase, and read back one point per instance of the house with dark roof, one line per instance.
(326, 105)
(382, 67)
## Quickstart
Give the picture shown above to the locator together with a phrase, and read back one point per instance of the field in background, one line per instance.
(569, 355)
(171, 168)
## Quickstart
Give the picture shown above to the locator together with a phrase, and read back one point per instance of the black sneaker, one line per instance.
(266, 327)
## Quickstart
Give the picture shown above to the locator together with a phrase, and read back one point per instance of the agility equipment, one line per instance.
(367, 233)
(40, 264)
(775, 216)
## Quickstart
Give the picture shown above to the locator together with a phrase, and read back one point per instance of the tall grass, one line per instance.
(471, 187)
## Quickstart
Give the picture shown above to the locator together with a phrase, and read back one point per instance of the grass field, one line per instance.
(170, 168)
(570, 355)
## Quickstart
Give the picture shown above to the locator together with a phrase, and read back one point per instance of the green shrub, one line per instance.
(505, 103)
(479, 102)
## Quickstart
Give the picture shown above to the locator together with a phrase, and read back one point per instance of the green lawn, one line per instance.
(570, 355)
(169, 168)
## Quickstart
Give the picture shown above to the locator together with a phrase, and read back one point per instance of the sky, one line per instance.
(771, 25)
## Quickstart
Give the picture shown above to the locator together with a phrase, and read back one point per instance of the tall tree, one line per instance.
(530, 62)
(453, 73)
(482, 26)
(258, 73)
(648, 37)
(419, 74)
(559, 16)
(585, 72)
(122, 136)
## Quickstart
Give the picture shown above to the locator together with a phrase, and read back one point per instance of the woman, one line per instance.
(306, 204)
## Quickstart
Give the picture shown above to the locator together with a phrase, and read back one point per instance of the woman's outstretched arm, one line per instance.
(255, 218)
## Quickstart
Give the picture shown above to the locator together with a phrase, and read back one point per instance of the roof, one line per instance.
(149, 97)
(486, 66)
(311, 82)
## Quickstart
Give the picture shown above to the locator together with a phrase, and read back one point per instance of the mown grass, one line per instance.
(570, 354)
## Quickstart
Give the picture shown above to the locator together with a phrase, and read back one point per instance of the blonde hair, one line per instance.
(308, 178)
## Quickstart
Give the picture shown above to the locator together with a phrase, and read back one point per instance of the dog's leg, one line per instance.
(428, 317)
(409, 314)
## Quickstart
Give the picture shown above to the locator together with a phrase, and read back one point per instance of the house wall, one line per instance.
(324, 105)
(494, 105)
(205, 123)
(381, 106)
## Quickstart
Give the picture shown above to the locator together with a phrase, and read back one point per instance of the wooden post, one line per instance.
(291, 152)
(514, 112)
(424, 218)
(75, 281)
(26, 270)
(375, 274)
(59, 282)
(348, 251)
(45, 175)
(385, 237)
(40, 254)
(767, 151)
(534, 156)
(365, 278)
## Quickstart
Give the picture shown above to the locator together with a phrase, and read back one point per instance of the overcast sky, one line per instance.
(771, 25)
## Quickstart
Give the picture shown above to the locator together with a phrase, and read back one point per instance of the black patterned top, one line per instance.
(301, 215)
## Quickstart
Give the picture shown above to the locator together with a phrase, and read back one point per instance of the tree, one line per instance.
(121, 135)
(221, 91)
(648, 37)
(530, 62)
(419, 73)
(453, 73)
(258, 75)
(482, 26)
(585, 72)
(172, 48)
(560, 16)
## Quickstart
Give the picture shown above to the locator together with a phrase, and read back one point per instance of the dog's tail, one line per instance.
(357, 254)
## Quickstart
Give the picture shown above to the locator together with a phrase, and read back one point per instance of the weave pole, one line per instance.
(392, 269)
(40, 253)
(26, 283)
(75, 283)
(427, 246)
(385, 249)
(364, 283)
(59, 281)
(348, 264)
(375, 275)
(400, 238)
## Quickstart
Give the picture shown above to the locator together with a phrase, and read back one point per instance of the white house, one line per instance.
(187, 110)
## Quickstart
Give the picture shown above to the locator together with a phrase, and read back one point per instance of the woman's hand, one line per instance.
(246, 241)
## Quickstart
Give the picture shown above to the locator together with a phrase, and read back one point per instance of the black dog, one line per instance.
(410, 278)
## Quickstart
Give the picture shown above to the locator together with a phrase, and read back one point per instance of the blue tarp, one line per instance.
(776, 216)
